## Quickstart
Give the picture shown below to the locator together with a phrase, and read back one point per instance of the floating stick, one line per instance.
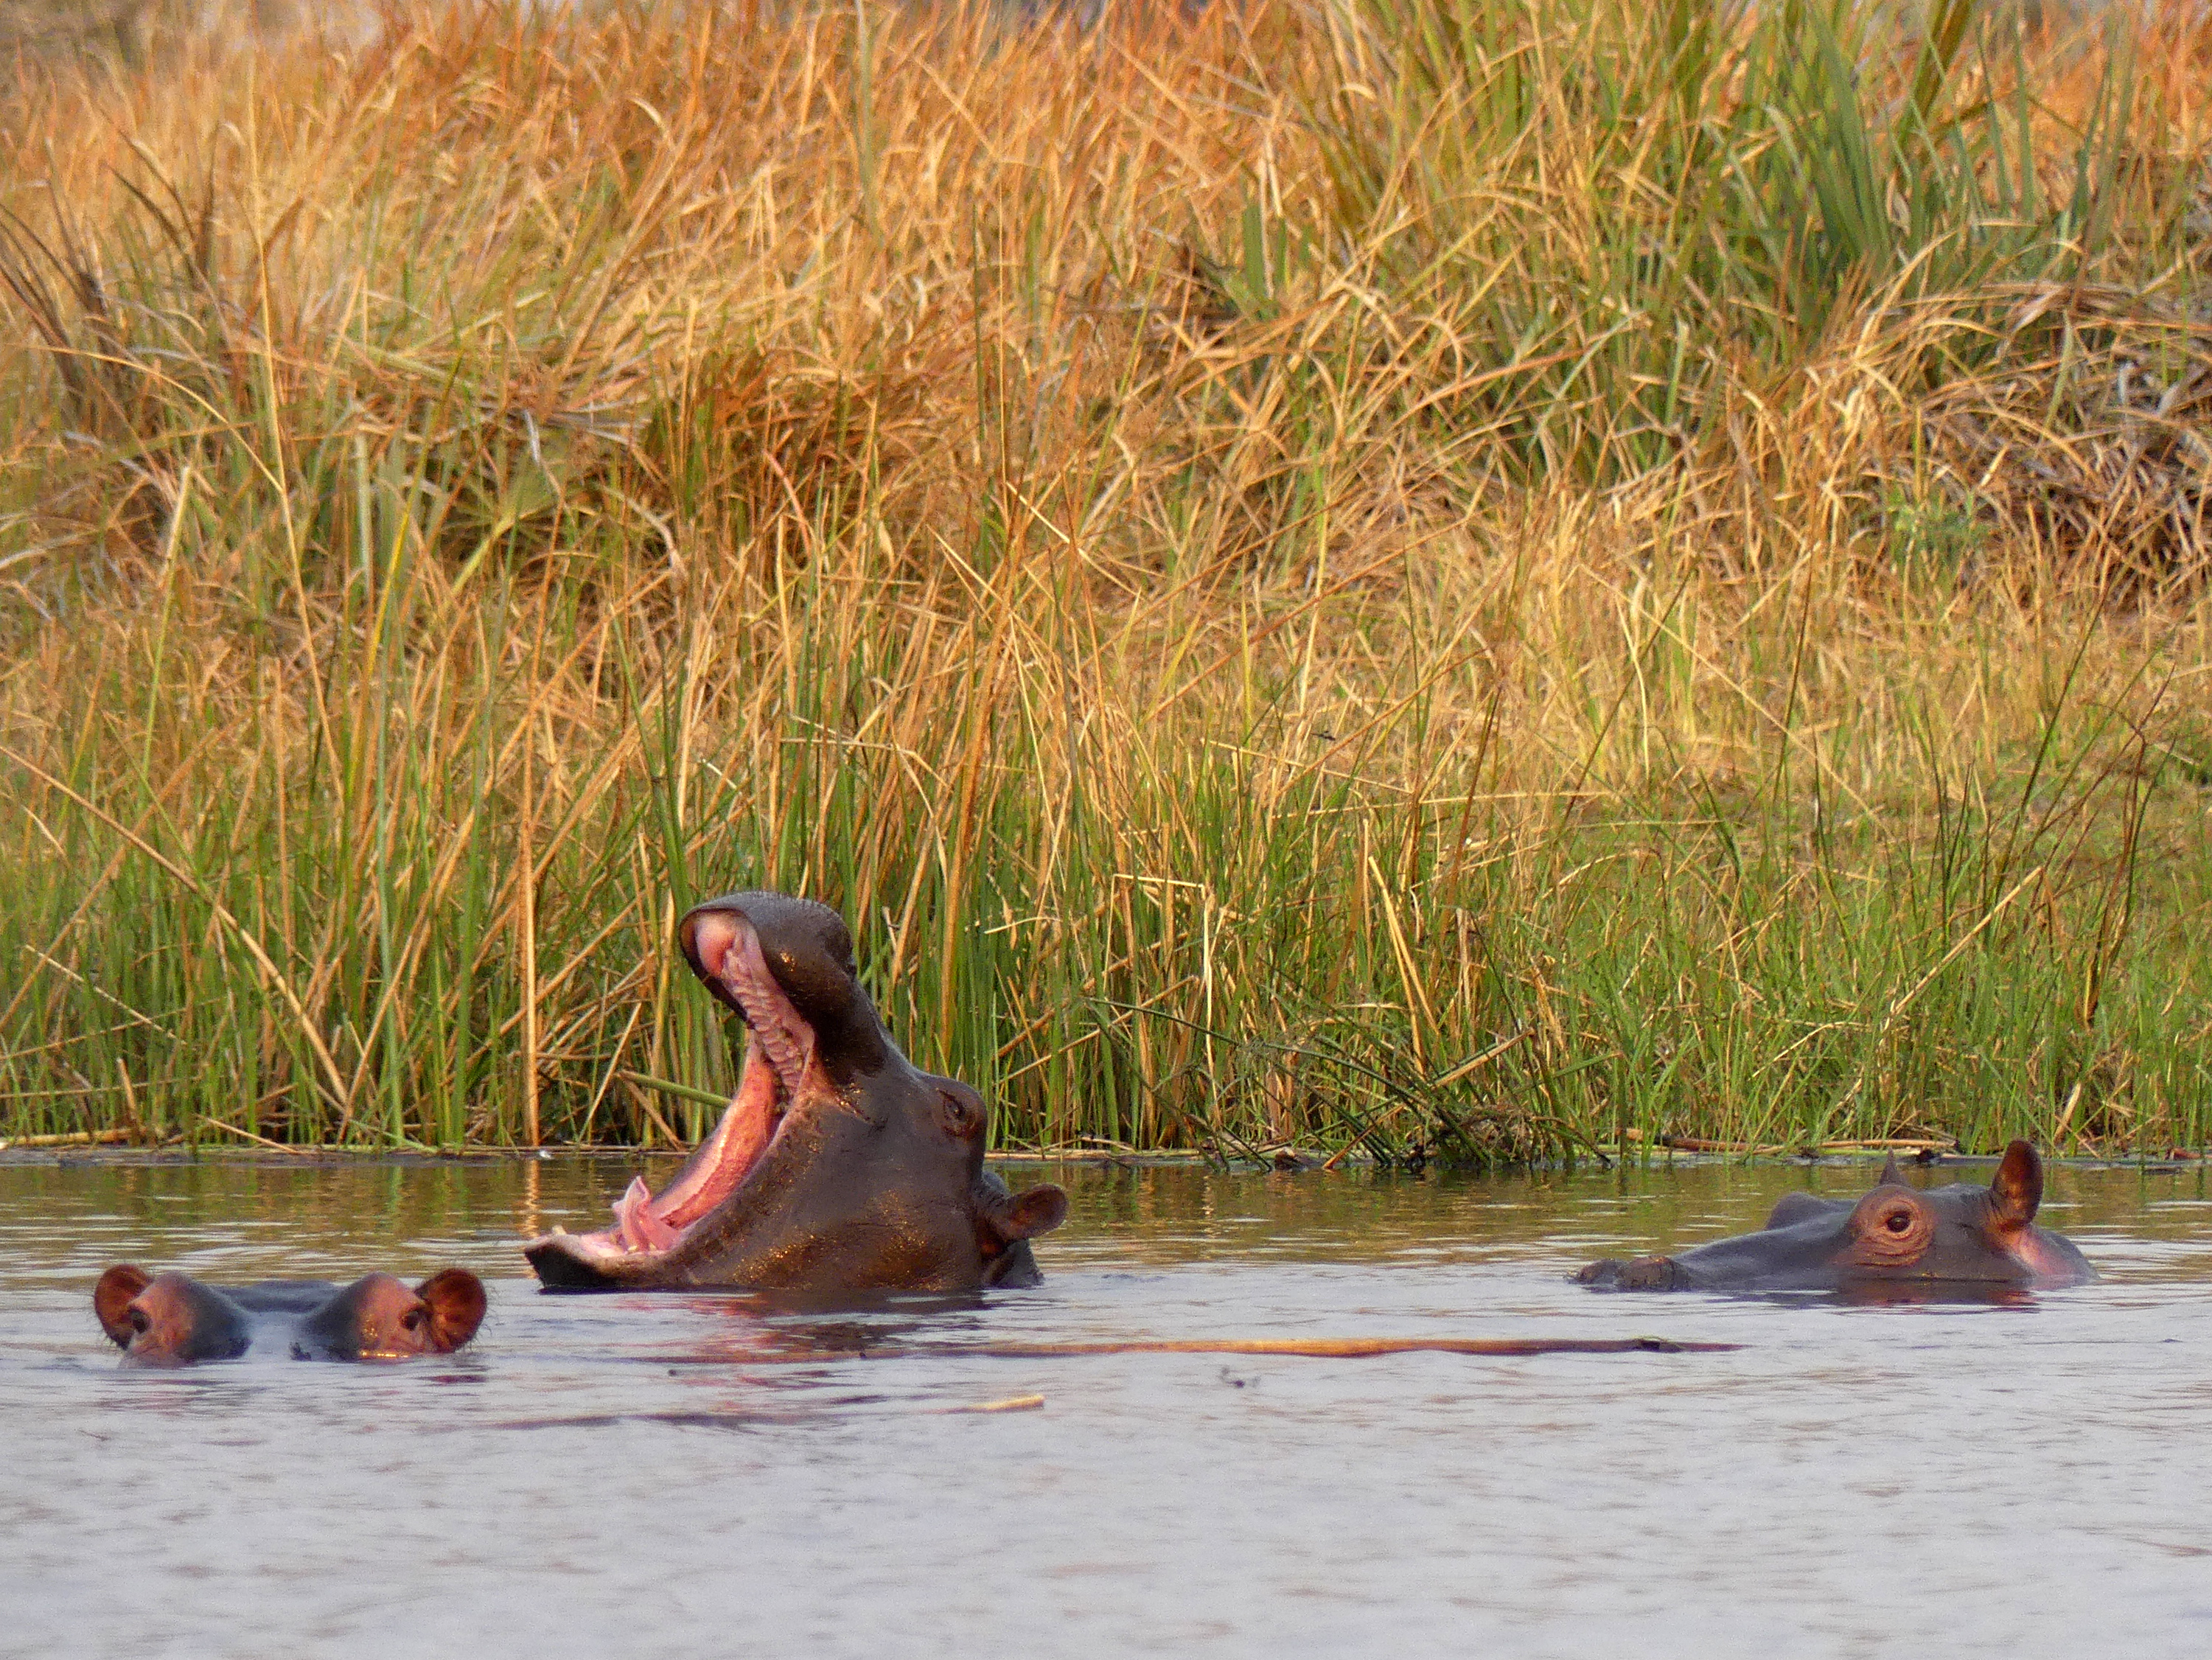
(1349, 1348)
(1011, 1403)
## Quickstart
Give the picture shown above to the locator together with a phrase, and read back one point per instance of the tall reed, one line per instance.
(1440, 578)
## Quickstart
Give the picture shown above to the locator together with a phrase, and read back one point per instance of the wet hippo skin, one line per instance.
(839, 1165)
(1897, 1240)
(174, 1320)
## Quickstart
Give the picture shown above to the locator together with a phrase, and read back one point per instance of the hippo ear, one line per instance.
(1026, 1215)
(1891, 1177)
(456, 1300)
(111, 1299)
(2016, 1190)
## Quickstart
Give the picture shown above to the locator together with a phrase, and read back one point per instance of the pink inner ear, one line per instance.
(112, 1297)
(2016, 1190)
(1039, 1210)
(712, 936)
(455, 1299)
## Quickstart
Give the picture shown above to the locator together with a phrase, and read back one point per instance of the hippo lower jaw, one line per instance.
(782, 1080)
(645, 1244)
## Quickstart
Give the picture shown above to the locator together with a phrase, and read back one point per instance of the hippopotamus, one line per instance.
(174, 1320)
(839, 1166)
(1897, 1240)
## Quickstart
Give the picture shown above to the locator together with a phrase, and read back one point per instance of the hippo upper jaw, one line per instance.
(786, 966)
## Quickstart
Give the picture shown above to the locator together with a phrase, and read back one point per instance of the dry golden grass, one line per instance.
(1296, 581)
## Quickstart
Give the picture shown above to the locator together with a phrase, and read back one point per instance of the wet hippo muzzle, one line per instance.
(839, 1165)
(1897, 1242)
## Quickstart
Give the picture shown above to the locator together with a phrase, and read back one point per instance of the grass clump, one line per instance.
(1419, 576)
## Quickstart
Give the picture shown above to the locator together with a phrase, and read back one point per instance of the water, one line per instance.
(692, 1474)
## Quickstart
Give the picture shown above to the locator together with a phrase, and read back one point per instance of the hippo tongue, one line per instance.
(636, 1224)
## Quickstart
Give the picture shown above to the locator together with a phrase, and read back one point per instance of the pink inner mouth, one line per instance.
(779, 1067)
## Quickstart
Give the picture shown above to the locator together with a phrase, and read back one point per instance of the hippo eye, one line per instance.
(412, 1320)
(1892, 1231)
(140, 1323)
(960, 1118)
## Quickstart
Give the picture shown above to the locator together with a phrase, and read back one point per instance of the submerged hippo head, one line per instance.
(1896, 1237)
(174, 1320)
(839, 1165)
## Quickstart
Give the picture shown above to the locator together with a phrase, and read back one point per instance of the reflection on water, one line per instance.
(705, 1473)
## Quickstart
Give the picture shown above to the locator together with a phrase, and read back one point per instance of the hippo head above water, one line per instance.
(839, 1166)
(1898, 1241)
(174, 1320)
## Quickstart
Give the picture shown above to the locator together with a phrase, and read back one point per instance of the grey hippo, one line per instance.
(1897, 1241)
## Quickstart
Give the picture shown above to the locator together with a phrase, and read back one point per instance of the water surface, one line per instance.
(696, 1474)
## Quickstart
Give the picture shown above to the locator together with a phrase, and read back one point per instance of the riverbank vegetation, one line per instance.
(1426, 577)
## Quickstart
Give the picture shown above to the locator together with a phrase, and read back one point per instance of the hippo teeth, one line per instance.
(769, 1014)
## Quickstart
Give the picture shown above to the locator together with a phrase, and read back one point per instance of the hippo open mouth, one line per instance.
(839, 1165)
(781, 1068)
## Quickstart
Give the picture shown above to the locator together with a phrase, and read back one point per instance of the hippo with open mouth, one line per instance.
(839, 1166)
(1898, 1241)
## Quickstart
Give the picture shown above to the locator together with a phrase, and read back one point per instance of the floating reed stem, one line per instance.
(1348, 1348)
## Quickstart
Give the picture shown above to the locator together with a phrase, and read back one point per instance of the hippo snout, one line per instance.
(1644, 1273)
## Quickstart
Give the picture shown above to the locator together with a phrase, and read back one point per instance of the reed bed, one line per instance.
(1421, 577)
